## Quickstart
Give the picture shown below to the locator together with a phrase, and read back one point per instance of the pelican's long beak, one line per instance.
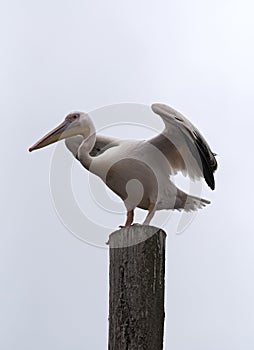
(59, 133)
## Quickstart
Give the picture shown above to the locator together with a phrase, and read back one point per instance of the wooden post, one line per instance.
(136, 296)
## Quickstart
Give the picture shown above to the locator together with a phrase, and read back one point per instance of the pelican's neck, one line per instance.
(86, 146)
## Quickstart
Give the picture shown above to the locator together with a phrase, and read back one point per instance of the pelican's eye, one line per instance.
(72, 117)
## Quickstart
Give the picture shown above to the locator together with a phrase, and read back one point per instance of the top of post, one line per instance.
(135, 234)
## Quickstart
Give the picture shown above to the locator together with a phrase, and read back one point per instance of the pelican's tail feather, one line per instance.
(194, 203)
(189, 203)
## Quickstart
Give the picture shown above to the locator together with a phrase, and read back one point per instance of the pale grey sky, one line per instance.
(60, 56)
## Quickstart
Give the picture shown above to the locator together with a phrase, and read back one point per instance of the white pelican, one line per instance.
(150, 163)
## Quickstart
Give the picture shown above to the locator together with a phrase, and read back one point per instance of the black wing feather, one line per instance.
(209, 163)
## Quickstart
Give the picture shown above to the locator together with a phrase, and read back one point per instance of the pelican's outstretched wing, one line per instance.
(184, 146)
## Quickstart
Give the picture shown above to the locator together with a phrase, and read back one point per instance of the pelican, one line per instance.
(140, 171)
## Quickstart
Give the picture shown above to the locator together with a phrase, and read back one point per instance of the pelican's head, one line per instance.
(76, 123)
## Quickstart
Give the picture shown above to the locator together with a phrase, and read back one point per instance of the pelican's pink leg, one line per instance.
(130, 217)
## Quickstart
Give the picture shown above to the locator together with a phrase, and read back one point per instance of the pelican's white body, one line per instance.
(139, 171)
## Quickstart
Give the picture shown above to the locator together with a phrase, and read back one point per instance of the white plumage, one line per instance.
(139, 171)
